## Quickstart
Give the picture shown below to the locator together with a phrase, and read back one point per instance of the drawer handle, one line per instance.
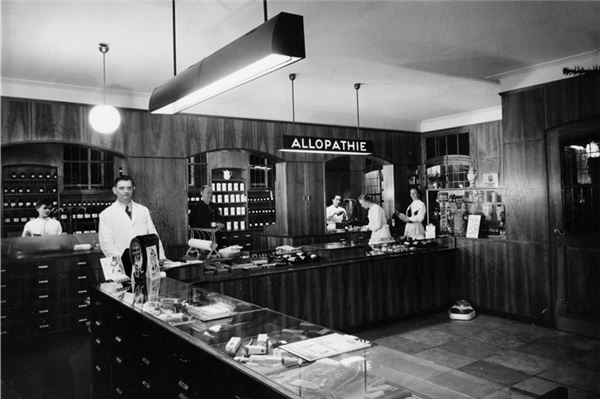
(83, 305)
(3, 317)
(82, 263)
(2, 270)
(42, 267)
(42, 311)
(118, 360)
(118, 339)
(3, 301)
(145, 361)
(42, 326)
(3, 286)
(98, 323)
(145, 385)
(82, 292)
(3, 332)
(119, 391)
(118, 316)
(81, 277)
(43, 282)
(182, 396)
(98, 368)
(43, 296)
(98, 341)
(183, 385)
(84, 320)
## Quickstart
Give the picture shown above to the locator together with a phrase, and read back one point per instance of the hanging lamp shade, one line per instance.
(273, 45)
(104, 119)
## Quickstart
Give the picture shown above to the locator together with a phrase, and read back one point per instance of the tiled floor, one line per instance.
(516, 360)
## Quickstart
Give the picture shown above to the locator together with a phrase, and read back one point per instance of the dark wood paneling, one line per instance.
(351, 294)
(589, 96)
(16, 120)
(487, 149)
(51, 121)
(523, 116)
(161, 187)
(562, 102)
(526, 191)
(152, 135)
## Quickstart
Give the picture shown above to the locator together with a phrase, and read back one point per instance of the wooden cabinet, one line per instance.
(299, 183)
(46, 295)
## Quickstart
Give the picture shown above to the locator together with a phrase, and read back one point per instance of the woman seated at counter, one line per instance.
(415, 214)
(43, 225)
(335, 213)
(380, 231)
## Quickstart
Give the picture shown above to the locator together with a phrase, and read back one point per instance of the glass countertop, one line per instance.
(267, 342)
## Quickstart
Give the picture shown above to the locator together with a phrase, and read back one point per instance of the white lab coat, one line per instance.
(42, 227)
(380, 231)
(414, 228)
(332, 218)
(116, 229)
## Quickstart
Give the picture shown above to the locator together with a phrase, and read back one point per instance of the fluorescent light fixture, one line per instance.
(273, 45)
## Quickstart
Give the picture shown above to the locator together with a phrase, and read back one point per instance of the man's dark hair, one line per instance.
(366, 197)
(124, 178)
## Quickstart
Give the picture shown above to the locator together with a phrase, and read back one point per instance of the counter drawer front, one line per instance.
(10, 331)
(41, 267)
(41, 281)
(10, 298)
(12, 286)
(101, 370)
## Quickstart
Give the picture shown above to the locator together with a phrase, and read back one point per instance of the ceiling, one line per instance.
(418, 60)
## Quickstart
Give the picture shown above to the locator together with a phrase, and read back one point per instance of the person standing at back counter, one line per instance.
(43, 225)
(415, 214)
(124, 220)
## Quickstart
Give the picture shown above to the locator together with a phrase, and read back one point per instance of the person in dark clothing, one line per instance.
(206, 212)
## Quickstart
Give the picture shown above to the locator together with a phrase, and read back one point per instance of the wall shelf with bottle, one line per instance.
(229, 194)
(79, 213)
(22, 186)
(261, 208)
(449, 209)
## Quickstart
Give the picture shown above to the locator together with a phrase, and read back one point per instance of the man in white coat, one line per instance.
(124, 220)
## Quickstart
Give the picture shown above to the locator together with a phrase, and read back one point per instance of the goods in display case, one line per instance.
(449, 211)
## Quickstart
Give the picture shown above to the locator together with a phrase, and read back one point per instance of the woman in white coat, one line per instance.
(380, 231)
(415, 214)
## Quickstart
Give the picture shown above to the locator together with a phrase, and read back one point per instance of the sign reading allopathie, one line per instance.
(326, 145)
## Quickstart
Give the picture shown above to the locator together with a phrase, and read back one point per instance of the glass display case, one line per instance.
(295, 358)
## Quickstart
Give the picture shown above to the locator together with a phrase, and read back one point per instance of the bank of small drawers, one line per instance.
(46, 296)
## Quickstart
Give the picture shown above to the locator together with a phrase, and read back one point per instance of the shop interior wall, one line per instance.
(157, 146)
(513, 276)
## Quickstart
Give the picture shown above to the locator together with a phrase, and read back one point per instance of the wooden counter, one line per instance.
(344, 292)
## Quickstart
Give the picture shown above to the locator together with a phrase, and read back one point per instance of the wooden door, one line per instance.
(574, 205)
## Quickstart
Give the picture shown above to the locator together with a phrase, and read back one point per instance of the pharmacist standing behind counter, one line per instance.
(415, 214)
(335, 213)
(124, 220)
(380, 231)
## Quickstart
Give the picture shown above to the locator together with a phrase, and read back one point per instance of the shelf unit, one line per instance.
(261, 208)
(22, 186)
(448, 210)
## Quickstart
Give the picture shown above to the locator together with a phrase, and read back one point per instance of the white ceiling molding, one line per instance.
(38, 90)
(545, 72)
(463, 119)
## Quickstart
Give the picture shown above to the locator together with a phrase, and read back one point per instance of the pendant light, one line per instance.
(356, 88)
(292, 77)
(104, 118)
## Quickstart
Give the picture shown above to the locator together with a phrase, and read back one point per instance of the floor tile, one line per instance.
(556, 352)
(445, 358)
(487, 321)
(526, 332)
(402, 344)
(500, 338)
(460, 328)
(590, 360)
(467, 384)
(575, 393)
(495, 372)
(508, 393)
(471, 348)
(574, 375)
(521, 361)
(572, 340)
(536, 386)
(429, 336)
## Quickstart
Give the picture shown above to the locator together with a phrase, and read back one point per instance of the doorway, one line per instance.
(574, 208)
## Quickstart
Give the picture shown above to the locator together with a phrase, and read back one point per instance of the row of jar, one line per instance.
(229, 186)
(33, 175)
(29, 190)
(21, 203)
